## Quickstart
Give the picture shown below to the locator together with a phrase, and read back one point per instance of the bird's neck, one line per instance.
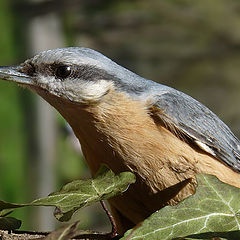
(105, 129)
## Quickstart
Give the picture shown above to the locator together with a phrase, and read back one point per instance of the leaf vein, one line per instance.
(182, 222)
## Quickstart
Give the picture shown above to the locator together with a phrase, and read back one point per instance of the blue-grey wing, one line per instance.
(197, 122)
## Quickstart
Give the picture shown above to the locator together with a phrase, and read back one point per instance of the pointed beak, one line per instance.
(14, 74)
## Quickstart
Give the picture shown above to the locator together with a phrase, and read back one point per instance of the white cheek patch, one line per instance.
(75, 90)
(87, 91)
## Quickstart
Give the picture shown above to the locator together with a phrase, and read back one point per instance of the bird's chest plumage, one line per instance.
(124, 136)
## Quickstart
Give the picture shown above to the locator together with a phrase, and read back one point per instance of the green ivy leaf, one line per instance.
(212, 210)
(81, 193)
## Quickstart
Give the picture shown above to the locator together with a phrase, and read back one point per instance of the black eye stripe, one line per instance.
(63, 71)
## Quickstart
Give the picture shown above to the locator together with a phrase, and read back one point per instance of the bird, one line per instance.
(162, 135)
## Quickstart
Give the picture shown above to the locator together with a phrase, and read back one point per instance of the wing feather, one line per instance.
(185, 115)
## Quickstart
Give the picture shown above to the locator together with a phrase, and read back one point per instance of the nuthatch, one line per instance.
(132, 124)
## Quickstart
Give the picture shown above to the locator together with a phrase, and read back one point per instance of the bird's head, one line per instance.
(78, 75)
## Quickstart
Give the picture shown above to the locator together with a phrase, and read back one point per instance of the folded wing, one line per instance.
(190, 119)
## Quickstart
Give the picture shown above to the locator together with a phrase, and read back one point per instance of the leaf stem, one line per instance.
(113, 233)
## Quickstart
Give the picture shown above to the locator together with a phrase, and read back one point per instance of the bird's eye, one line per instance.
(63, 71)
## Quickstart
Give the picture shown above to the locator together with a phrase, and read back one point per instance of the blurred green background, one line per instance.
(193, 46)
